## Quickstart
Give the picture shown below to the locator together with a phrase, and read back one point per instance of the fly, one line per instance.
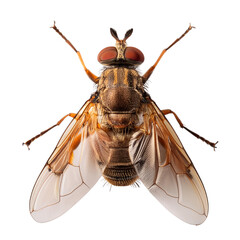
(122, 135)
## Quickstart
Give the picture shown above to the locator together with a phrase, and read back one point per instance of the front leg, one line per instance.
(150, 70)
(93, 77)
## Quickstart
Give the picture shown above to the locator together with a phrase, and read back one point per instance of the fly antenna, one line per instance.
(128, 34)
(114, 34)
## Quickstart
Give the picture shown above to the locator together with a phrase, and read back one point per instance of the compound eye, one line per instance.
(133, 54)
(107, 54)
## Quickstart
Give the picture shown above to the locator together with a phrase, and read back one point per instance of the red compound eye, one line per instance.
(134, 54)
(107, 54)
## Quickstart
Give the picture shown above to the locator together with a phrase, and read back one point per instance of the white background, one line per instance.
(42, 80)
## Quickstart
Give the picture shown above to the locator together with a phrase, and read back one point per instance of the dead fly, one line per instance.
(122, 135)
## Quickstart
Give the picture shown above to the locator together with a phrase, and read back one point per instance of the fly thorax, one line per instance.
(119, 95)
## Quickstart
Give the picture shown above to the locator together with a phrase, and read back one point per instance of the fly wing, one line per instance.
(166, 170)
(71, 170)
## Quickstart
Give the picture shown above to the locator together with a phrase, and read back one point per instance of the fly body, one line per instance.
(120, 98)
(122, 135)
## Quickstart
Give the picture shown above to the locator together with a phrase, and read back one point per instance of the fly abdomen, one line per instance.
(120, 171)
(120, 175)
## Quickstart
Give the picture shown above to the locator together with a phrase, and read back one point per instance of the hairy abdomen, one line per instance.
(120, 171)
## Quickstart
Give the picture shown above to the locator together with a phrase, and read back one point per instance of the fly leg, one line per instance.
(93, 77)
(45, 131)
(150, 70)
(167, 111)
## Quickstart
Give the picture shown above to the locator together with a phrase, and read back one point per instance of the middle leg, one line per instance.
(167, 111)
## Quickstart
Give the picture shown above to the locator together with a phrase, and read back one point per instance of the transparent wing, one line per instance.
(71, 170)
(166, 170)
